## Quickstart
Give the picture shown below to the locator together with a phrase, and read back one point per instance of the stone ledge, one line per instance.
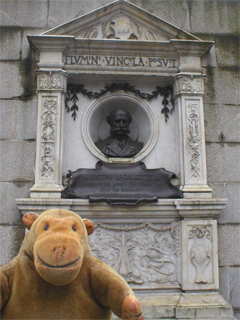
(182, 306)
(166, 208)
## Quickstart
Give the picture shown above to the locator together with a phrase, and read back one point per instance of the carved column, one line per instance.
(189, 91)
(51, 87)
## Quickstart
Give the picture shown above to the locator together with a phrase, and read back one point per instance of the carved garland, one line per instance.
(166, 92)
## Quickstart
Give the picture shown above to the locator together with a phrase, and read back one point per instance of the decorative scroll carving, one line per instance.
(50, 81)
(48, 138)
(194, 139)
(166, 92)
(144, 254)
(200, 252)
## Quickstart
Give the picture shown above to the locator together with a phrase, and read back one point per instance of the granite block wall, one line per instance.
(216, 20)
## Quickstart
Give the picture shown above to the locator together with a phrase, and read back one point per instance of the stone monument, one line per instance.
(122, 56)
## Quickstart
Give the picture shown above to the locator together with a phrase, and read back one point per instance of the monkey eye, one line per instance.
(46, 227)
(74, 228)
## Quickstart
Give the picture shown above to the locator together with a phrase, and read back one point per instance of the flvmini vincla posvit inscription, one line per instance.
(121, 61)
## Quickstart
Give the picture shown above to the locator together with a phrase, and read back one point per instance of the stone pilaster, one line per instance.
(189, 91)
(48, 172)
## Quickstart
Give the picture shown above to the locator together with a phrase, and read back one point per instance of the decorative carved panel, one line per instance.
(194, 139)
(145, 254)
(200, 262)
(122, 27)
(51, 80)
(189, 85)
(48, 124)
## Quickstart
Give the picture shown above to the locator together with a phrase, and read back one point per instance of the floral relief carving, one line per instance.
(200, 251)
(145, 254)
(48, 138)
(194, 140)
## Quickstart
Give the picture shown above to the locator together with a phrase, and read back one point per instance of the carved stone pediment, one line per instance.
(121, 20)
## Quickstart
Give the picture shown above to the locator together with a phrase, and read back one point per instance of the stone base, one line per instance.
(155, 244)
(183, 306)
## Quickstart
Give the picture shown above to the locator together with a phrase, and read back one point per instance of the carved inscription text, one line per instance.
(121, 61)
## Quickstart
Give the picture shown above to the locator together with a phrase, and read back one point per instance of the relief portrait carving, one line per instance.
(119, 144)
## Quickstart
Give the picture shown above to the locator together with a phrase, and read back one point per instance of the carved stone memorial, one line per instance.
(120, 87)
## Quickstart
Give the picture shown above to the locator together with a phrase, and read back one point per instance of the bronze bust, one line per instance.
(119, 144)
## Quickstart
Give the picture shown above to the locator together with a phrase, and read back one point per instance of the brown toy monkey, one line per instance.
(55, 276)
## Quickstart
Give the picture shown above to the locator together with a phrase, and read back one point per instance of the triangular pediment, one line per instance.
(120, 20)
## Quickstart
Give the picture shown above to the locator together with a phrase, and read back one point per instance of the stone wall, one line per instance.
(210, 20)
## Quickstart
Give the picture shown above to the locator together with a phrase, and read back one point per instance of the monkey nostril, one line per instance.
(64, 248)
(54, 250)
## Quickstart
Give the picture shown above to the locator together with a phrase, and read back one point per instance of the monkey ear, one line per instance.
(28, 219)
(89, 226)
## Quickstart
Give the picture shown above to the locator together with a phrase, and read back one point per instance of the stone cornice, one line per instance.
(164, 208)
(56, 43)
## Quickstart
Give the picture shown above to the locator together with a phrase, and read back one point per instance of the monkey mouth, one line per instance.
(58, 267)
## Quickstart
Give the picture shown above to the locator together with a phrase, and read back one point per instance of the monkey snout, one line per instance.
(59, 249)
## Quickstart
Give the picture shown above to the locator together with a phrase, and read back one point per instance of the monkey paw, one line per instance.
(132, 309)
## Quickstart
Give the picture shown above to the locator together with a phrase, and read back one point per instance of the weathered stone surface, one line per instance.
(210, 59)
(237, 313)
(222, 123)
(25, 47)
(8, 119)
(61, 11)
(199, 306)
(227, 48)
(10, 43)
(24, 13)
(175, 12)
(214, 16)
(223, 283)
(27, 119)
(17, 160)
(234, 287)
(229, 245)
(230, 285)
(9, 192)
(222, 86)
(223, 162)
(18, 119)
(230, 191)
(11, 239)
(10, 80)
